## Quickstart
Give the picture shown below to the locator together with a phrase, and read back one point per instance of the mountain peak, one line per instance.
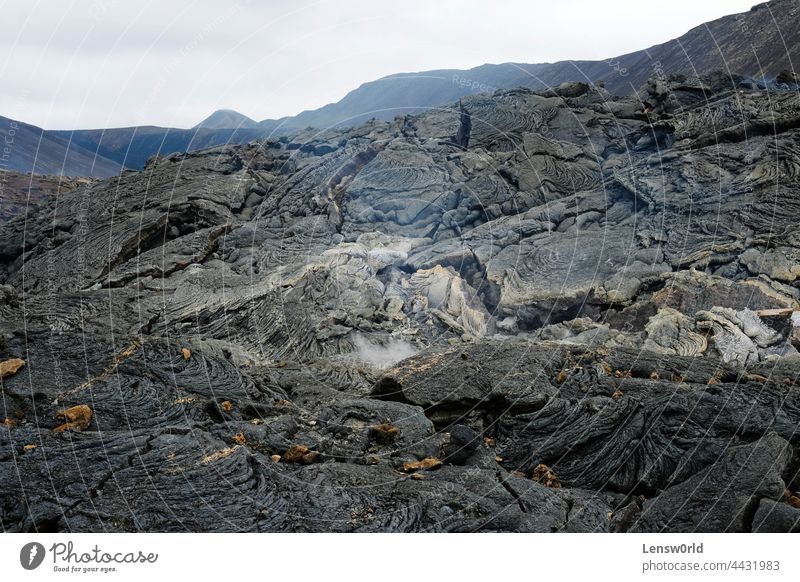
(227, 119)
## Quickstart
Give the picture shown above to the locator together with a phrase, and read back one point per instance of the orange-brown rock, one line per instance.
(10, 367)
(299, 454)
(77, 418)
(791, 499)
(545, 475)
(385, 433)
(423, 465)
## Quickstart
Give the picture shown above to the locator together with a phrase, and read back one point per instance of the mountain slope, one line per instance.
(759, 43)
(32, 149)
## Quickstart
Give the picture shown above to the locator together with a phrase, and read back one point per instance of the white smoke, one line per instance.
(382, 355)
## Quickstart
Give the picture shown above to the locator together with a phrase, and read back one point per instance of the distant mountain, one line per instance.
(758, 44)
(32, 149)
(227, 119)
(133, 146)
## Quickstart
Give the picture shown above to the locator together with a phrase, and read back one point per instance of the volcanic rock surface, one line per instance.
(524, 312)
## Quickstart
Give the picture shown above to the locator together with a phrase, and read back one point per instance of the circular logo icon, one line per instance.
(31, 555)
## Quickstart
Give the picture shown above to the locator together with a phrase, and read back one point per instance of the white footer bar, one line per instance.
(390, 557)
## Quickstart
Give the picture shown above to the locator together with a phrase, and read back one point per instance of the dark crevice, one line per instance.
(490, 409)
(749, 514)
(509, 176)
(388, 388)
(639, 489)
(147, 238)
(570, 506)
(203, 254)
(501, 478)
(462, 136)
(49, 525)
(337, 186)
(179, 222)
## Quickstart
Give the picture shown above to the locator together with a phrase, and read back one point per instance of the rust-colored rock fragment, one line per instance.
(546, 476)
(186, 353)
(10, 367)
(756, 378)
(385, 433)
(423, 465)
(791, 499)
(77, 418)
(299, 454)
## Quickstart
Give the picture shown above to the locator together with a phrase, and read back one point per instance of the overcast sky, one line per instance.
(110, 63)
